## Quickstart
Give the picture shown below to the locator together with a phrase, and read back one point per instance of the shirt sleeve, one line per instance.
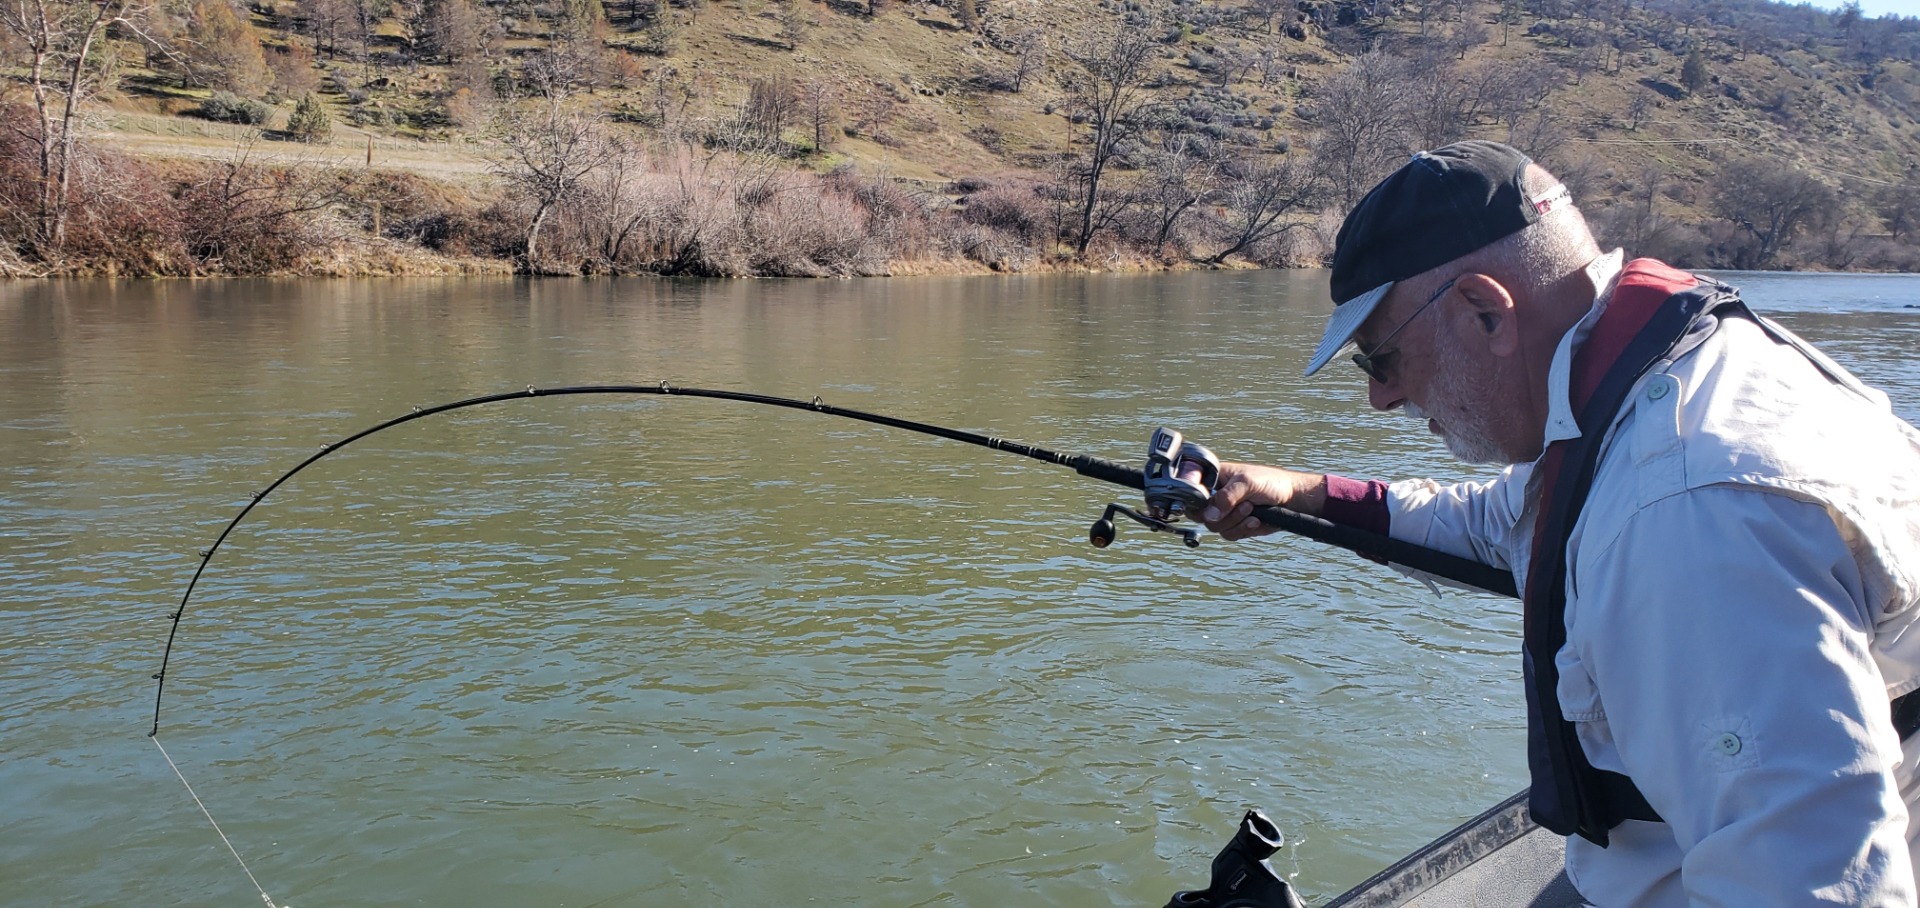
(1474, 520)
(1358, 503)
(1727, 640)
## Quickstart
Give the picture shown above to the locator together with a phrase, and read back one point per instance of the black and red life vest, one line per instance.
(1653, 309)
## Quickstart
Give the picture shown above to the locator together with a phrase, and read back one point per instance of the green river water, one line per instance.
(641, 651)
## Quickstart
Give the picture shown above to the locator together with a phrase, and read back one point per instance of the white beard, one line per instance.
(1466, 433)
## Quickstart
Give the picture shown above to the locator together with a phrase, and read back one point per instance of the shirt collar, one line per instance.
(1604, 272)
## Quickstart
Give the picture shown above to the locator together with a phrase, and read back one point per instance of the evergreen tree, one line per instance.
(309, 122)
(1693, 73)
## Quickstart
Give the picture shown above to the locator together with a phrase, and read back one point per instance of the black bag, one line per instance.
(1241, 876)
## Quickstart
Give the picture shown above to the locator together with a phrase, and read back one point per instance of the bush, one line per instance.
(1013, 207)
(367, 115)
(227, 107)
(240, 217)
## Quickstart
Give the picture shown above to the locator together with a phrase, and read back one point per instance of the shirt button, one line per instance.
(1656, 390)
(1729, 744)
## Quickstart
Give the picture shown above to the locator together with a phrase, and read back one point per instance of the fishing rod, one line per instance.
(1177, 480)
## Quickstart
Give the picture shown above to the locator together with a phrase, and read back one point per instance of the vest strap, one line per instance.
(1651, 310)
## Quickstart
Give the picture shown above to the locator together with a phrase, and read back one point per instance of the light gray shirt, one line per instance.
(1742, 589)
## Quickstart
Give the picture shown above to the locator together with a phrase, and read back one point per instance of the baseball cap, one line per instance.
(1437, 207)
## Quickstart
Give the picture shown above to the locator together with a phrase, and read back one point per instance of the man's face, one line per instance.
(1430, 371)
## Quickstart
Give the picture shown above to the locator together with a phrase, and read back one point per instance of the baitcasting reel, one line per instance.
(1179, 476)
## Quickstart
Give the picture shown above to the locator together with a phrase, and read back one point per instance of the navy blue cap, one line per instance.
(1439, 206)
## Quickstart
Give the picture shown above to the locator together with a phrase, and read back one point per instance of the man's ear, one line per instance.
(1494, 316)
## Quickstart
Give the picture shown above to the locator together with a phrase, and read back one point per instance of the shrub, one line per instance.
(1013, 207)
(241, 217)
(367, 115)
(227, 107)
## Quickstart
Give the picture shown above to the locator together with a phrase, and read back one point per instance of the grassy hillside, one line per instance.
(801, 137)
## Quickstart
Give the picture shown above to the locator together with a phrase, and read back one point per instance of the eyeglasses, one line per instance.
(1369, 361)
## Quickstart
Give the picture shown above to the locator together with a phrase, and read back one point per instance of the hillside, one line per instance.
(734, 137)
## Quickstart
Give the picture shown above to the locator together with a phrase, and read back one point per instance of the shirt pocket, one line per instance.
(1579, 696)
(1580, 704)
(1654, 439)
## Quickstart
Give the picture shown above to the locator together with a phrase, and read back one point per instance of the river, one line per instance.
(643, 651)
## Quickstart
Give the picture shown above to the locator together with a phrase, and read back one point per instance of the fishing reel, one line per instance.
(1178, 479)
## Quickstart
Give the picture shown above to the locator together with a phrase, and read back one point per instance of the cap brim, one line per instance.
(1346, 319)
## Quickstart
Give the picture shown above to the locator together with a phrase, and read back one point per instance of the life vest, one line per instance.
(1652, 311)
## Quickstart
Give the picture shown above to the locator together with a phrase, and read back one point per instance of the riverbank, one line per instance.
(270, 208)
(254, 207)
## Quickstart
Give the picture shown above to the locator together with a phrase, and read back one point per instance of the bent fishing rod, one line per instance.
(1177, 480)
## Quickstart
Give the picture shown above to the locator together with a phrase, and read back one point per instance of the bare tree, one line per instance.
(1107, 91)
(1467, 34)
(1030, 56)
(773, 104)
(819, 105)
(1258, 197)
(223, 50)
(367, 15)
(1509, 16)
(618, 203)
(796, 22)
(1838, 237)
(1634, 219)
(325, 21)
(544, 158)
(1770, 202)
(66, 66)
(1515, 94)
(1898, 206)
(1639, 110)
(453, 31)
(1265, 11)
(1442, 102)
(1231, 62)
(1361, 112)
(669, 99)
(1174, 177)
(567, 65)
(874, 110)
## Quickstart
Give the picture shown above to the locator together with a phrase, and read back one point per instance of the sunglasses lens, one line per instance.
(1366, 366)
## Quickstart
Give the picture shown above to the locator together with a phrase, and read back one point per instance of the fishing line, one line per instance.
(155, 738)
(1459, 570)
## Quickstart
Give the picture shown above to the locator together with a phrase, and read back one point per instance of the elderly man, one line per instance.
(1716, 528)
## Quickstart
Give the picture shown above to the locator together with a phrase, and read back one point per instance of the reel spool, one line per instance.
(1179, 478)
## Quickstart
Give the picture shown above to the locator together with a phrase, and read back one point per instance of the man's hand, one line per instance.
(1244, 486)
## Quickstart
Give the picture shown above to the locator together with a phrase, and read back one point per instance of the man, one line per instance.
(1716, 529)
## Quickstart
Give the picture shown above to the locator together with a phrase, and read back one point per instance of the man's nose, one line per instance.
(1384, 396)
